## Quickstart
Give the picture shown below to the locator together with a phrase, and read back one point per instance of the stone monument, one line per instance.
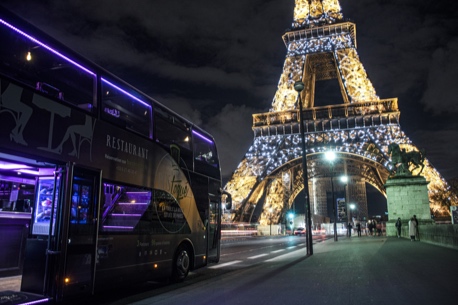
(407, 194)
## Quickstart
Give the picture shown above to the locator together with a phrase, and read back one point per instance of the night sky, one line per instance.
(218, 62)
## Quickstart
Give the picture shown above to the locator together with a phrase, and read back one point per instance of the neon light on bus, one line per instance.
(28, 171)
(202, 137)
(125, 92)
(4, 165)
(118, 227)
(36, 302)
(46, 47)
(69, 60)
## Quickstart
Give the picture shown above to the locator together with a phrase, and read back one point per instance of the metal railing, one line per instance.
(327, 112)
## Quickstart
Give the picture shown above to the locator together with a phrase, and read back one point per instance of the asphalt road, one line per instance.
(356, 270)
(237, 255)
(365, 270)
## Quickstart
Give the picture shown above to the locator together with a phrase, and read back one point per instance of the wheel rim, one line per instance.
(183, 262)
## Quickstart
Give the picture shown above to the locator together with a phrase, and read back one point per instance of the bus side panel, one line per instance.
(134, 258)
(199, 185)
(34, 266)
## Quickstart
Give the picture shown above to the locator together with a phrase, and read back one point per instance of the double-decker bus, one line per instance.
(120, 189)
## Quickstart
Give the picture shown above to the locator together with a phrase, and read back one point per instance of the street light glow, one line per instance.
(330, 155)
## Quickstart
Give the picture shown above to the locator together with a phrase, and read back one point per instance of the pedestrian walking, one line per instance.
(349, 227)
(379, 228)
(358, 229)
(412, 229)
(417, 235)
(398, 226)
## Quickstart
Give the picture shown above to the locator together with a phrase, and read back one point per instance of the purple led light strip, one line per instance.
(137, 192)
(36, 302)
(125, 92)
(202, 137)
(122, 215)
(28, 171)
(46, 47)
(118, 227)
(69, 60)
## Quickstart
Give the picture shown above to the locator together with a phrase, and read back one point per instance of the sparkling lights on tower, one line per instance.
(322, 46)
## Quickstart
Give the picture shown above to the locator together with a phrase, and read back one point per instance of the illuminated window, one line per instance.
(125, 108)
(204, 149)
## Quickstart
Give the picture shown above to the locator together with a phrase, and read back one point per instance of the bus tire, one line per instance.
(181, 263)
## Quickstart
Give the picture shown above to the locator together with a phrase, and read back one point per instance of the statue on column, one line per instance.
(402, 160)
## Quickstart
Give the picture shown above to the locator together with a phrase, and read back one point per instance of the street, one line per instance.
(356, 270)
(238, 257)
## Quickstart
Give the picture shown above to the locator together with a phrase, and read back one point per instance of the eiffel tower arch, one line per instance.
(322, 46)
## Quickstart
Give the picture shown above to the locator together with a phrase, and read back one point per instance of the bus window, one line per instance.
(38, 66)
(43, 205)
(169, 133)
(124, 109)
(123, 207)
(80, 203)
(204, 149)
(164, 216)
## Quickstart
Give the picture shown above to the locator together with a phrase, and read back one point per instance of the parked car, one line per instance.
(299, 231)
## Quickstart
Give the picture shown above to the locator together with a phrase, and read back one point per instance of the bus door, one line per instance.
(42, 251)
(214, 229)
(77, 269)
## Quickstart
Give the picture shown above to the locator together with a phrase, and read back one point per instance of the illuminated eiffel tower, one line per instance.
(322, 46)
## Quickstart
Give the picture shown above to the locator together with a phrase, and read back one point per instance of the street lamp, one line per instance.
(344, 180)
(352, 207)
(299, 86)
(291, 217)
(331, 156)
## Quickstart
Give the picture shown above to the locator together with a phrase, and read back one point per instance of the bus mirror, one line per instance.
(228, 204)
(228, 199)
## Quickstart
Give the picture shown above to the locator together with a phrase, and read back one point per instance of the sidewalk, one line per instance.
(374, 270)
(356, 270)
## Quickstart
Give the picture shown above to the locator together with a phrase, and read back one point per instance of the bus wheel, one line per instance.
(181, 264)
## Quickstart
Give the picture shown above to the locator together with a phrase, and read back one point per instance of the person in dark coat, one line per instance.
(398, 226)
(349, 227)
(358, 229)
(417, 232)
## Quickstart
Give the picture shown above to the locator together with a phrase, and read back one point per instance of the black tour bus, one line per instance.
(121, 189)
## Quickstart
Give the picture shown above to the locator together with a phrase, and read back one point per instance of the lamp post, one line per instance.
(344, 180)
(299, 86)
(291, 217)
(331, 156)
(352, 207)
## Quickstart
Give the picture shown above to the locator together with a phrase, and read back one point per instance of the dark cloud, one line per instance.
(232, 128)
(441, 92)
(218, 62)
